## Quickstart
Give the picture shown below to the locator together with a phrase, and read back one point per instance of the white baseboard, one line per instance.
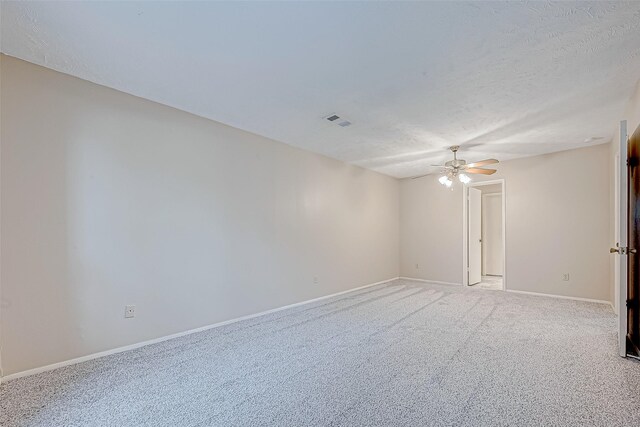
(435, 282)
(539, 294)
(176, 335)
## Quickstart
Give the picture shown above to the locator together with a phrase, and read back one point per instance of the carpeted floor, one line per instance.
(399, 354)
(490, 282)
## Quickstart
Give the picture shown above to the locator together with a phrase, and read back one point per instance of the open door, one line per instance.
(633, 242)
(475, 236)
(621, 239)
(628, 232)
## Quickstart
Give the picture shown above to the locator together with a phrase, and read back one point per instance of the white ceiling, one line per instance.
(504, 80)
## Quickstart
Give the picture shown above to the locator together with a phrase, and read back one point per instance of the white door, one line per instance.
(621, 184)
(475, 236)
(492, 235)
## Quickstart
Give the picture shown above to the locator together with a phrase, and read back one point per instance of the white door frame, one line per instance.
(621, 236)
(465, 229)
(474, 241)
(616, 230)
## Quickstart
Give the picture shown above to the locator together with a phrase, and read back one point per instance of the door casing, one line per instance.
(620, 200)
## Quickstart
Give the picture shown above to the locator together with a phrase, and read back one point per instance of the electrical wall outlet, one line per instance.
(129, 311)
(417, 266)
(565, 277)
(315, 280)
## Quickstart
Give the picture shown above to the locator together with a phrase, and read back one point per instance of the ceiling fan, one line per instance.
(459, 168)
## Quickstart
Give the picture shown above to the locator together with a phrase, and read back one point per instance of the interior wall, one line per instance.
(492, 234)
(557, 222)
(108, 200)
(490, 188)
(430, 230)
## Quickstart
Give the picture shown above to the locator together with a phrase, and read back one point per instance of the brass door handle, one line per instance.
(622, 251)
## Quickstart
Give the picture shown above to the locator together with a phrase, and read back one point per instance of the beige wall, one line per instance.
(108, 199)
(557, 222)
(492, 253)
(490, 188)
(430, 230)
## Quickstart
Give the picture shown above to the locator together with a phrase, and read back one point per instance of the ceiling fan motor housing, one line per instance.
(456, 163)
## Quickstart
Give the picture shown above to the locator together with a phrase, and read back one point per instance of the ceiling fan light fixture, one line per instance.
(444, 180)
(464, 178)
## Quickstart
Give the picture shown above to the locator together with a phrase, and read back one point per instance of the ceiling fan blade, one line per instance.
(419, 176)
(482, 163)
(481, 171)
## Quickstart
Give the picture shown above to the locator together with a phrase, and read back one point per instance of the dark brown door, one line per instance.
(633, 241)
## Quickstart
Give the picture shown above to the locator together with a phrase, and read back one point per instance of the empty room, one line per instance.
(315, 213)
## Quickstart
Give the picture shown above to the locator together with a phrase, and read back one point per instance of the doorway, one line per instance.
(484, 235)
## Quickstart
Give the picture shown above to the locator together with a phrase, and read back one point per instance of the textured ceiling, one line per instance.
(504, 80)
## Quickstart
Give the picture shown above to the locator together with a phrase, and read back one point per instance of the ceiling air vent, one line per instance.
(340, 121)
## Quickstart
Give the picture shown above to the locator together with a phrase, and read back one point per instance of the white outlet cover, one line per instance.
(129, 311)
